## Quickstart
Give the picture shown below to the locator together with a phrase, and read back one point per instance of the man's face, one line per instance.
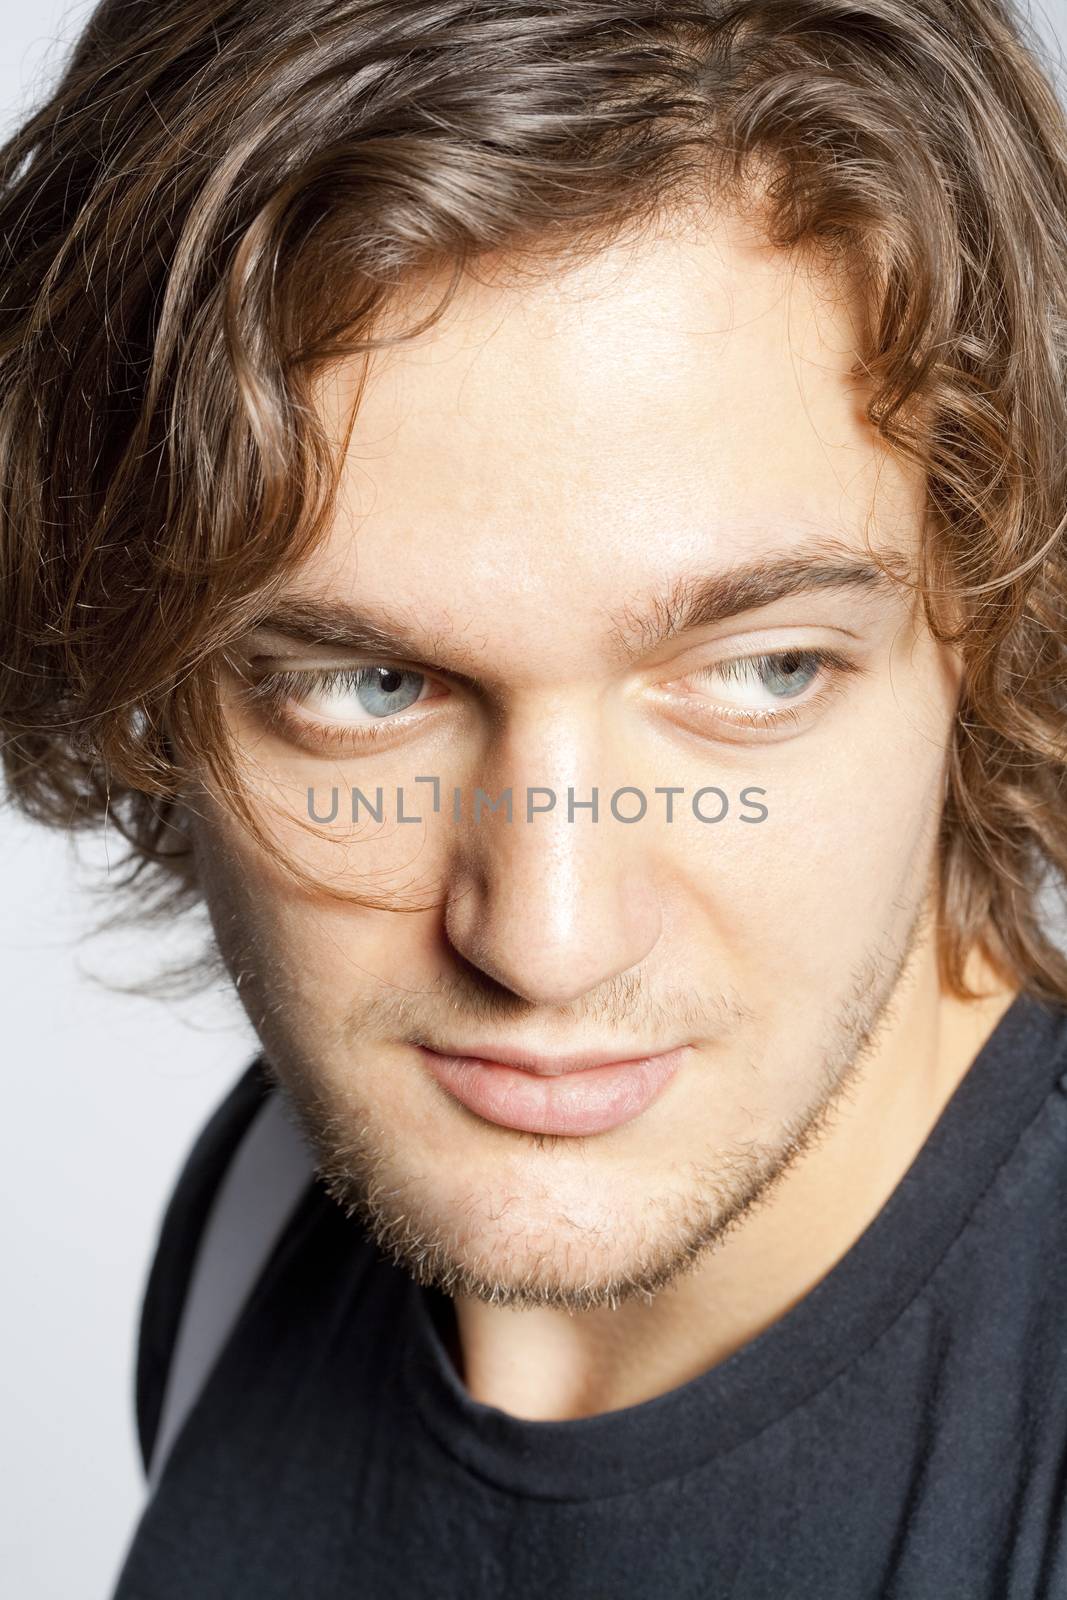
(532, 491)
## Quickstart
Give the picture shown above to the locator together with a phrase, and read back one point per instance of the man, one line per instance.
(617, 448)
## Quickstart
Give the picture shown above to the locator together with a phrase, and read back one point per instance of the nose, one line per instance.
(552, 907)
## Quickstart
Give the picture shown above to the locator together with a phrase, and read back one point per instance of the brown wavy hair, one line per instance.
(222, 197)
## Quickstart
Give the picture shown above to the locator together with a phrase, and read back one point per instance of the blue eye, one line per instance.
(381, 691)
(344, 696)
(781, 676)
(786, 675)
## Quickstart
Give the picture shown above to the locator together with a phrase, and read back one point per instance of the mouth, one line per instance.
(554, 1096)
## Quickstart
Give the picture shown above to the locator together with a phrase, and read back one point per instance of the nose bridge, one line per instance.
(562, 897)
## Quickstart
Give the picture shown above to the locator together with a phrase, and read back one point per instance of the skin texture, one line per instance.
(548, 460)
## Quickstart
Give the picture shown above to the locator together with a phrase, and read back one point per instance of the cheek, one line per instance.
(270, 935)
(837, 868)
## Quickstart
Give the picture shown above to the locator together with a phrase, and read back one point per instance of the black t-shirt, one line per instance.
(900, 1433)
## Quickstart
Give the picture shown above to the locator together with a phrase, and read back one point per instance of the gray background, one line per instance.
(102, 1094)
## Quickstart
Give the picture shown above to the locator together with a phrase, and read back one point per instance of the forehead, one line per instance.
(670, 406)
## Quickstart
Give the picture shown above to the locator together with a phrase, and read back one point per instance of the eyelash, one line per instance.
(831, 663)
(272, 692)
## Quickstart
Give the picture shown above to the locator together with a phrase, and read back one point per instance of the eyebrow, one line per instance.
(688, 603)
(692, 603)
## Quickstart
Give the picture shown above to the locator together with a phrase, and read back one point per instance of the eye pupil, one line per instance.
(790, 673)
(382, 691)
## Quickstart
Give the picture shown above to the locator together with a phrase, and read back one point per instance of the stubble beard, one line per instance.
(358, 1164)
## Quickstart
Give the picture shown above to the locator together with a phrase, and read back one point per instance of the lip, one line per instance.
(557, 1097)
(546, 1066)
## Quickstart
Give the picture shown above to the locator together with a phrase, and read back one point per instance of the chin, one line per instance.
(514, 1217)
(568, 1239)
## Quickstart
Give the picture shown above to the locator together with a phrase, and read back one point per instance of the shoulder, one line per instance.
(178, 1240)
